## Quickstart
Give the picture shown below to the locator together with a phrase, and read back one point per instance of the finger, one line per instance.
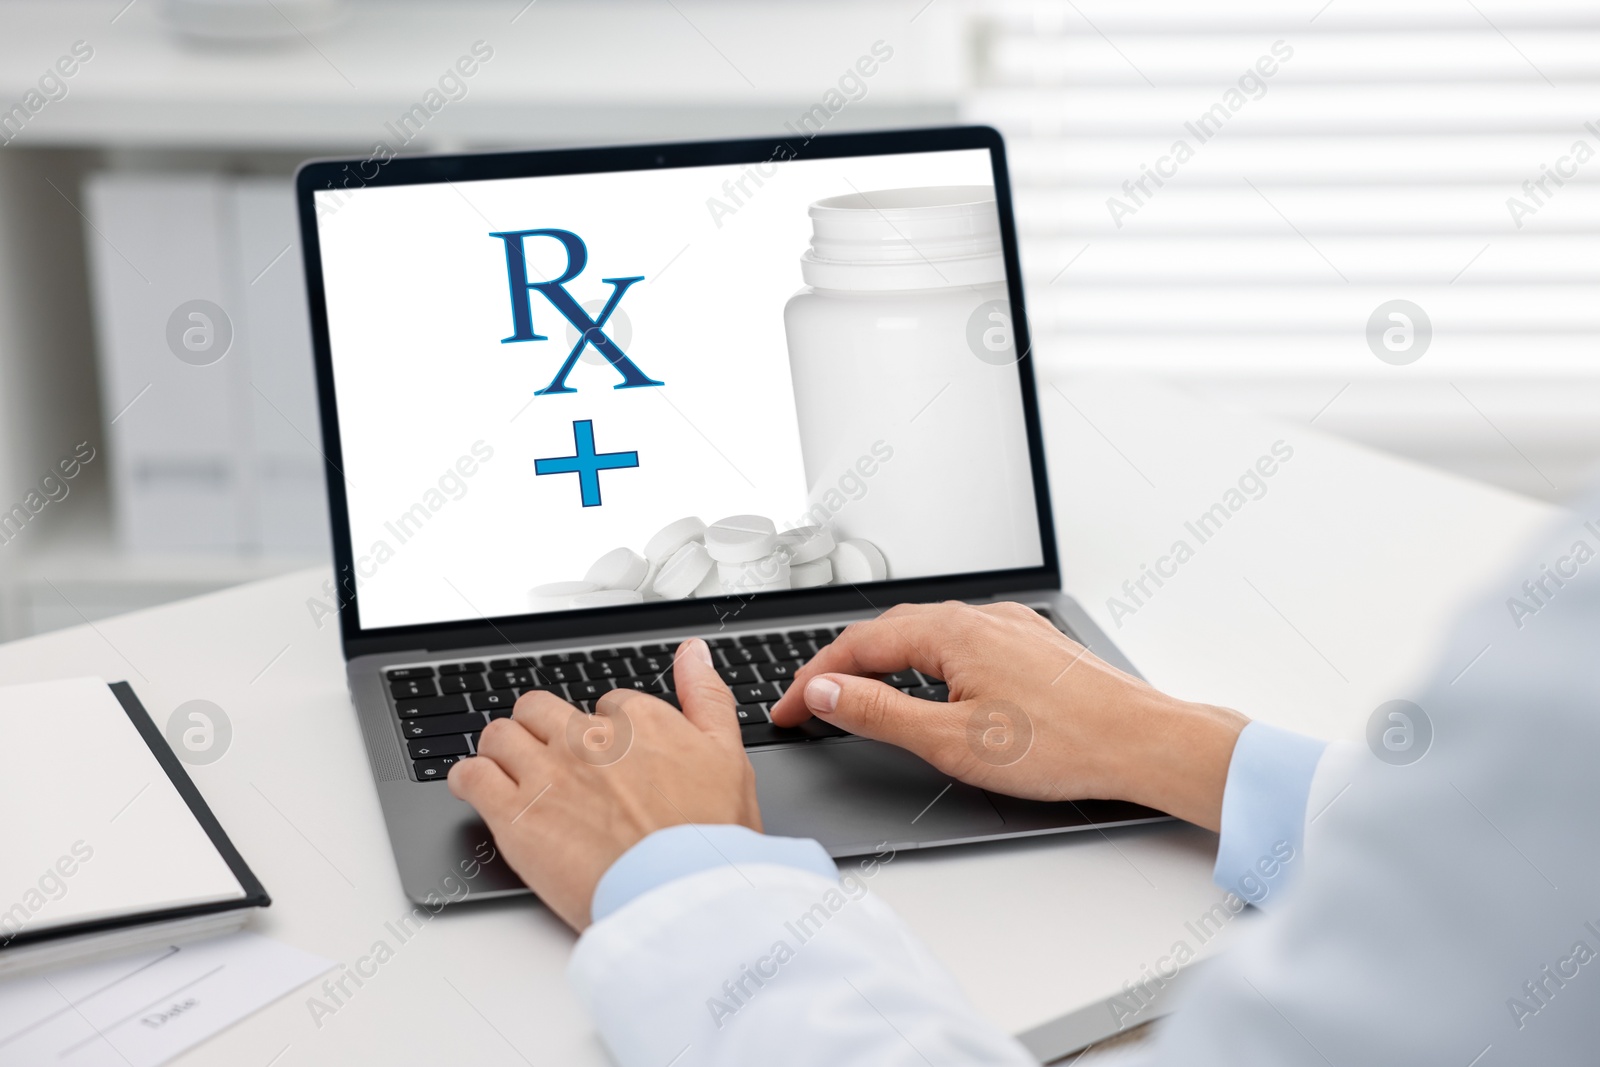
(892, 642)
(612, 701)
(625, 707)
(869, 708)
(543, 714)
(707, 701)
(483, 784)
(509, 744)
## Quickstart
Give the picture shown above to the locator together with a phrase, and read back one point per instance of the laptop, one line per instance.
(580, 405)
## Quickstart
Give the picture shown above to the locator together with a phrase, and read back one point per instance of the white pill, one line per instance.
(806, 543)
(621, 568)
(806, 575)
(647, 583)
(758, 576)
(605, 598)
(740, 538)
(858, 561)
(672, 537)
(683, 571)
(710, 585)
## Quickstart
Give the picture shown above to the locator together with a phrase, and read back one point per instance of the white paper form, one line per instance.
(144, 1009)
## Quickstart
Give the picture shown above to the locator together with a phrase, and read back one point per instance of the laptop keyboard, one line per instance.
(443, 707)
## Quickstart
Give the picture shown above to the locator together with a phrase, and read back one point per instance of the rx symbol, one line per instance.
(591, 331)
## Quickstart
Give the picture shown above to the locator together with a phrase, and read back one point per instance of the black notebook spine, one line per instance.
(255, 895)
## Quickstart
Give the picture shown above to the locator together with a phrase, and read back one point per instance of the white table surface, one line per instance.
(1315, 603)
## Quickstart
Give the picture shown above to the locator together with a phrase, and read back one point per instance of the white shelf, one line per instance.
(677, 70)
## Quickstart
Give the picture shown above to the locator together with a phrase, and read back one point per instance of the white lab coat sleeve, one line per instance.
(767, 963)
(1270, 778)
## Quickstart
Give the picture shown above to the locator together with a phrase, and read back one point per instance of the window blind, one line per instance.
(1229, 192)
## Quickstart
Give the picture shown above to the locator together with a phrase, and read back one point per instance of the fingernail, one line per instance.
(701, 650)
(822, 695)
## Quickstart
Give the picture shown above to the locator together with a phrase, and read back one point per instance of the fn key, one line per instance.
(430, 769)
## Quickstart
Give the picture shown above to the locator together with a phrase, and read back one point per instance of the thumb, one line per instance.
(707, 701)
(869, 708)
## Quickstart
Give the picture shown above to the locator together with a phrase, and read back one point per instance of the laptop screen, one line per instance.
(588, 392)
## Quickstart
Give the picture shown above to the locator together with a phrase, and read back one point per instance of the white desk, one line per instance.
(1364, 560)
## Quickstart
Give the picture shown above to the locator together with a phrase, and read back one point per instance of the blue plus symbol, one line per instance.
(587, 464)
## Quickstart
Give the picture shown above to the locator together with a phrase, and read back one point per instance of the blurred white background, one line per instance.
(1395, 151)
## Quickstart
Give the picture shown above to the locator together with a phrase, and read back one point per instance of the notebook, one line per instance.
(108, 845)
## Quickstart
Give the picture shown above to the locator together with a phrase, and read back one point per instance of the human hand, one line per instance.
(1032, 713)
(566, 794)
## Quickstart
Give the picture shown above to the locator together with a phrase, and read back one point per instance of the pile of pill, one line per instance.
(736, 556)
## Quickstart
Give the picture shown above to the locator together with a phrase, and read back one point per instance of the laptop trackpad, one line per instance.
(854, 796)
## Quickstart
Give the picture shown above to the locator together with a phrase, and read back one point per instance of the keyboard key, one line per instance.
(788, 650)
(765, 733)
(439, 725)
(544, 687)
(510, 679)
(495, 713)
(419, 706)
(461, 683)
(657, 649)
(606, 668)
(598, 654)
(645, 685)
(427, 747)
(823, 635)
(733, 657)
(751, 713)
(510, 664)
(750, 640)
(646, 666)
(405, 674)
(655, 680)
(940, 693)
(778, 672)
(434, 770)
(552, 658)
(559, 672)
(903, 679)
(413, 687)
(461, 668)
(589, 690)
(742, 673)
(494, 698)
(756, 692)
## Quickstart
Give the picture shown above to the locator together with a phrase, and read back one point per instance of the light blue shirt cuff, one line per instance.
(1264, 811)
(679, 851)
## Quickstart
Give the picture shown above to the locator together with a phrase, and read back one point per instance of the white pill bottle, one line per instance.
(906, 384)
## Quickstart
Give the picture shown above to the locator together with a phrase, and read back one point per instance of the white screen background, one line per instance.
(418, 301)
